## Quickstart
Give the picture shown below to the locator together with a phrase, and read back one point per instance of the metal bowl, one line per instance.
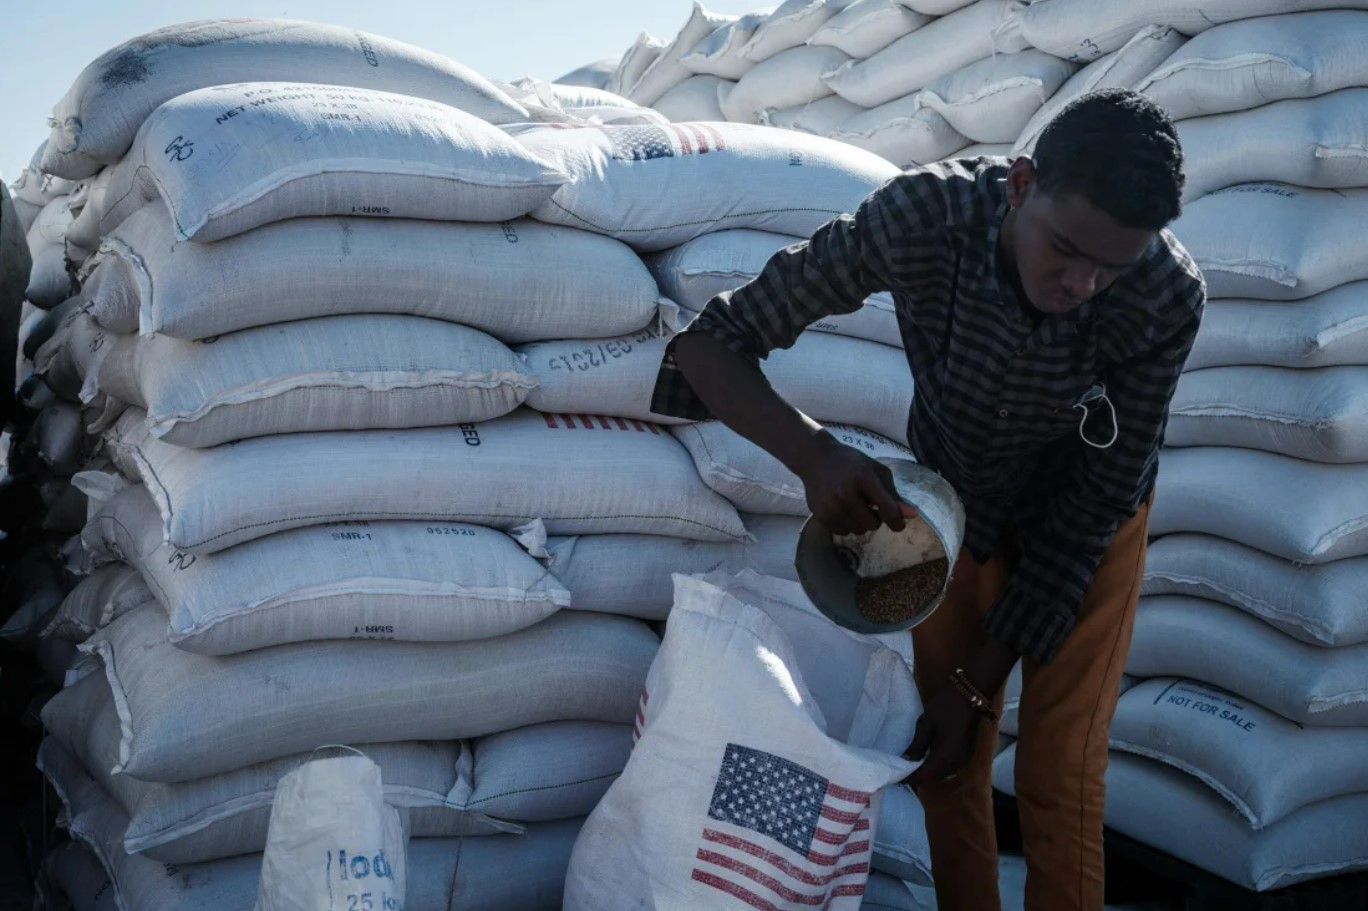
(828, 576)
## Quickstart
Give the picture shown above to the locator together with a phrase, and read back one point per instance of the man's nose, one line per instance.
(1080, 281)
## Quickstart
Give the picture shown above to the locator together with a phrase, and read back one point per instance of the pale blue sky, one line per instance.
(45, 46)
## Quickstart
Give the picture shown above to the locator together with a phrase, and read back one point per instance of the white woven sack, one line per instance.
(1318, 605)
(755, 481)
(634, 63)
(788, 78)
(1241, 750)
(1083, 30)
(630, 574)
(919, 58)
(60, 436)
(372, 154)
(609, 376)
(96, 121)
(49, 284)
(332, 373)
(187, 716)
(693, 99)
(904, 131)
(518, 281)
(98, 600)
(72, 873)
(1253, 62)
(1327, 330)
(832, 378)
(866, 27)
(791, 24)
(694, 273)
(592, 75)
(993, 99)
(408, 581)
(1312, 142)
(665, 72)
(719, 54)
(1304, 511)
(581, 476)
(84, 233)
(64, 506)
(884, 892)
(547, 102)
(900, 846)
(1272, 241)
(1177, 636)
(715, 779)
(657, 187)
(985, 150)
(1123, 68)
(72, 354)
(1320, 415)
(35, 187)
(818, 117)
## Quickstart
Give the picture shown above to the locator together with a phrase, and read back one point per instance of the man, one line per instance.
(1046, 315)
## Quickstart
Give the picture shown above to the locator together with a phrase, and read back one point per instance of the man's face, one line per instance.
(1066, 250)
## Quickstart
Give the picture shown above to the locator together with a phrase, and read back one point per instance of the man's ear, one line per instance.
(1021, 178)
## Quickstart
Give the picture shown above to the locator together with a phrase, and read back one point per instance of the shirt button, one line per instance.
(1002, 413)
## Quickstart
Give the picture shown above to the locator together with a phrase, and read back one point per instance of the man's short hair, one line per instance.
(1120, 152)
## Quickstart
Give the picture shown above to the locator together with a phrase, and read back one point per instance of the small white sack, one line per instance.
(657, 187)
(49, 283)
(1328, 330)
(755, 481)
(1309, 512)
(332, 373)
(97, 601)
(1257, 61)
(794, 769)
(1312, 142)
(694, 99)
(1320, 415)
(580, 475)
(1272, 241)
(904, 131)
(788, 78)
(719, 54)
(84, 233)
(693, 273)
(609, 376)
(1177, 636)
(666, 72)
(228, 159)
(1122, 68)
(790, 25)
(1318, 605)
(939, 47)
(818, 117)
(1241, 750)
(634, 63)
(592, 75)
(992, 100)
(866, 27)
(518, 281)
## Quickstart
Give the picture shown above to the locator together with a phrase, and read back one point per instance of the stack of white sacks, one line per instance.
(384, 471)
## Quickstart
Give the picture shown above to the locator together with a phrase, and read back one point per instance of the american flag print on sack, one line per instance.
(643, 143)
(782, 837)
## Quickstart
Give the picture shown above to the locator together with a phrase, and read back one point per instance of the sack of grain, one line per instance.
(97, 119)
(609, 376)
(630, 574)
(97, 601)
(791, 24)
(186, 716)
(1239, 749)
(866, 27)
(64, 506)
(1312, 142)
(547, 102)
(755, 481)
(60, 437)
(518, 281)
(826, 717)
(832, 378)
(372, 154)
(1327, 330)
(657, 187)
(1272, 241)
(992, 100)
(49, 282)
(936, 7)
(666, 72)
(592, 75)
(406, 581)
(579, 475)
(904, 131)
(83, 236)
(919, 58)
(693, 273)
(719, 54)
(1084, 30)
(72, 355)
(33, 590)
(1320, 415)
(818, 117)
(72, 879)
(633, 64)
(694, 99)
(1123, 68)
(1309, 512)
(789, 78)
(1177, 636)
(1253, 62)
(37, 188)
(1319, 605)
(332, 373)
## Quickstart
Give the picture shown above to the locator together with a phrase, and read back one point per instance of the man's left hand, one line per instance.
(946, 734)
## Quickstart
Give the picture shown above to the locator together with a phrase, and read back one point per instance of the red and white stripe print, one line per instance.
(598, 422)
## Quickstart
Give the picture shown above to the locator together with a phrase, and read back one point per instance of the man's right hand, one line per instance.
(849, 492)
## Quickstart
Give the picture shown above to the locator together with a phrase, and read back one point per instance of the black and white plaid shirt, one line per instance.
(996, 386)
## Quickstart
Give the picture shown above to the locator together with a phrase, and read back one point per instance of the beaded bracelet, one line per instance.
(980, 702)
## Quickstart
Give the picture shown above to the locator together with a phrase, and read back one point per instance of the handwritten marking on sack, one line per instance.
(795, 159)
(591, 357)
(180, 149)
(180, 560)
(597, 422)
(1209, 704)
